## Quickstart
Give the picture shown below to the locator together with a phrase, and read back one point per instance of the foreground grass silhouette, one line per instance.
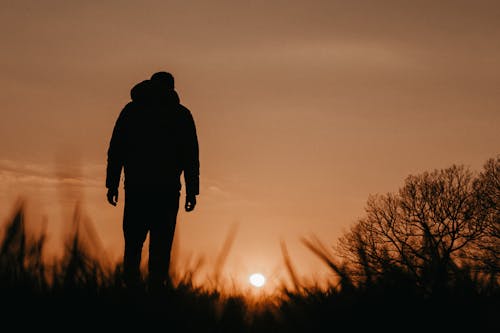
(79, 292)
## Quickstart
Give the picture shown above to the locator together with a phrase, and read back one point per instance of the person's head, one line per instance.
(163, 79)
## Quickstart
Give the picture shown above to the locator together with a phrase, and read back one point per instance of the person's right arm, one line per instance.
(115, 158)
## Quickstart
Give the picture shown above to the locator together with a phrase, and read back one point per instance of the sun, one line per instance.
(257, 280)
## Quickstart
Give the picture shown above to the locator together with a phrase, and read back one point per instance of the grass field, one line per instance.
(77, 292)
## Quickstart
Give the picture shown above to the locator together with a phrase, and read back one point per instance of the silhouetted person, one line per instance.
(154, 140)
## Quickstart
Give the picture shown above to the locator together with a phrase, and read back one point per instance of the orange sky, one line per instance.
(303, 109)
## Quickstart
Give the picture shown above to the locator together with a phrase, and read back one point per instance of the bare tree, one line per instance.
(425, 229)
(486, 252)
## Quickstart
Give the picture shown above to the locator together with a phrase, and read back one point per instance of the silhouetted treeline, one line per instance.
(426, 254)
(440, 232)
(424, 257)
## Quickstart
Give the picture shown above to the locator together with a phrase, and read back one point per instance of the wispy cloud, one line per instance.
(16, 172)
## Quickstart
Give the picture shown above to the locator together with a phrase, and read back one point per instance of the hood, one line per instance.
(148, 92)
(141, 92)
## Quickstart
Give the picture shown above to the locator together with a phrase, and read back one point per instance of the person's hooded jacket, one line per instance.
(154, 140)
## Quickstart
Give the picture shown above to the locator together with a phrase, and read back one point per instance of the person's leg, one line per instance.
(161, 237)
(134, 231)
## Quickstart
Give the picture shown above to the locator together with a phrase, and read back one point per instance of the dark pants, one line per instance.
(155, 212)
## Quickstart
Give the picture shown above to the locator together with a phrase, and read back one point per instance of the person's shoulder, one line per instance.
(184, 111)
(129, 108)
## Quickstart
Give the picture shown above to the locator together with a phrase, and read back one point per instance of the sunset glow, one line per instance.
(303, 110)
(250, 166)
(257, 280)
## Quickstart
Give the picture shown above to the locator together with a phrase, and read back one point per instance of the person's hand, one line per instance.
(190, 203)
(112, 196)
